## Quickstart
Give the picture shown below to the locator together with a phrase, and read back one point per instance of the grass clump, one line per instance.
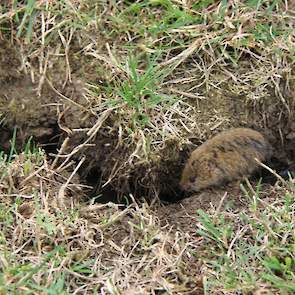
(138, 94)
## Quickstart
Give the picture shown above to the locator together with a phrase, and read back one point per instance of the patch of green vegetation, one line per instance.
(29, 19)
(249, 251)
(139, 91)
(175, 26)
(17, 276)
(18, 272)
(202, 4)
(263, 4)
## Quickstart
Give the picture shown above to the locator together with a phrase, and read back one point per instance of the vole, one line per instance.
(228, 156)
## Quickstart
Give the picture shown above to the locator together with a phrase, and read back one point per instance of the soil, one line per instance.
(44, 114)
(183, 214)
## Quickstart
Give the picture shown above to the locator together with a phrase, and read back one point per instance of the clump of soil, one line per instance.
(31, 104)
(183, 214)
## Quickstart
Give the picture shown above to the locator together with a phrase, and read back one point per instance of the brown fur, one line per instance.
(228, 156)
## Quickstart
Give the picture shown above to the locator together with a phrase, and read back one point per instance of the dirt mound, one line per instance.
(182, 215)
(31, 104)
(122, 163)
(135, 118)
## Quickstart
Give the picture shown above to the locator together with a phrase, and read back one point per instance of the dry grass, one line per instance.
(252, 250)
(157, 77)
(81, 248)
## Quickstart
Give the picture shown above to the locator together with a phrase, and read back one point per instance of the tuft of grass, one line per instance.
(139, 93)
(27, 21)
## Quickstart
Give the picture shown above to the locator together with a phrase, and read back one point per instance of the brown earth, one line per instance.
(183, 214)
(51, 110)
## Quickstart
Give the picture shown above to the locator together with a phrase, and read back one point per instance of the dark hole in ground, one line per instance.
(104, 194)
(101, 194)
(49, 143)
(174, 195)
(5, 137)
(284, 169)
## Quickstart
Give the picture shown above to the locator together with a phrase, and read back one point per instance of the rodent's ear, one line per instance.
(192, 178)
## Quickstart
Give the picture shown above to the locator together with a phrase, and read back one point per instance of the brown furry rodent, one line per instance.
(230, 155)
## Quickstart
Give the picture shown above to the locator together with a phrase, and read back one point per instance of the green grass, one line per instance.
(27, 21)
(19, 278)
(165, 25)
(176, 27)
(252, 250)
(139, 92)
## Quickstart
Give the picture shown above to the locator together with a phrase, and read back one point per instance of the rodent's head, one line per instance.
(199, 174)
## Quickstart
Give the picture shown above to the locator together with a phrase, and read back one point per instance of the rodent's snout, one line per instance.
(188, 187)
(184, 186)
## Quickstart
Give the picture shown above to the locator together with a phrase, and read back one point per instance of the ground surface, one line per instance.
(117, 94)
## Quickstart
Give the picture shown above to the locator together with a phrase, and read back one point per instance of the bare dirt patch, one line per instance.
(183, 214)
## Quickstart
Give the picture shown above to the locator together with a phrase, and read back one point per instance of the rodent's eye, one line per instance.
(192, 178)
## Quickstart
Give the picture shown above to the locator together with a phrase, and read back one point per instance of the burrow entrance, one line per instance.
(167, 190)
(63, 110)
